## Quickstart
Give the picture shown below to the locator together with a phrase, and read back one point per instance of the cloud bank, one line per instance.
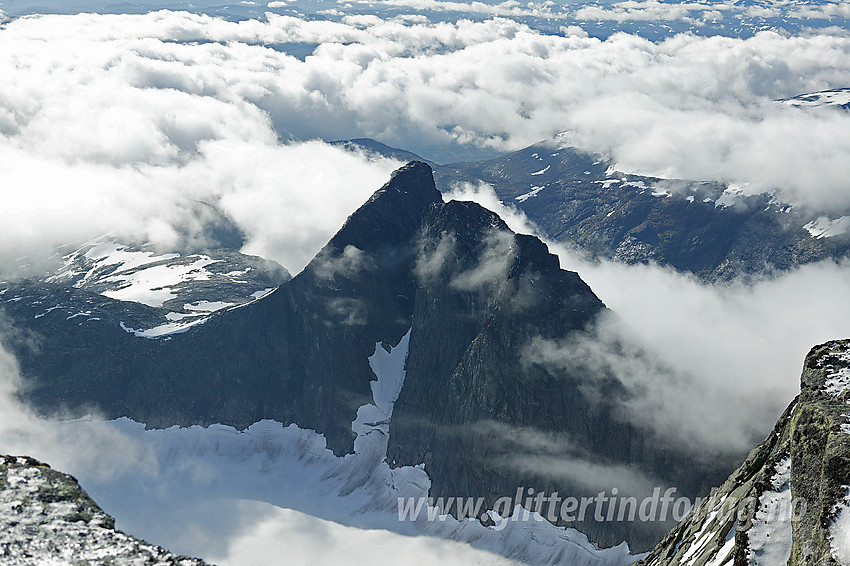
(154, 126)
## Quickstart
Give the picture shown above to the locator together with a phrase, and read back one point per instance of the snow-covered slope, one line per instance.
(838, 97)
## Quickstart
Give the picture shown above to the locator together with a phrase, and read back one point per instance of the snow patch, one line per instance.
(175, 316)
(110, 253)
(51, 309)
(262, 293)
(103, 255)
(153, 286)
(607, 182)
(834, 97)
(839, 381)
(207, 306)
(839, 531)
(542, 170)
(726, 555)
(729, 197)
(162, 330)
(823, 227)
(532, 193)
(702, 537)
(75, 315)
(770, 534)
(374, 419)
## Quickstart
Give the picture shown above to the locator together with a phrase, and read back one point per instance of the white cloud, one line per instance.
(288, 533)
(652, 10)
(823, 11)
(122, 122)
(287, 199)
(556, 455)
(508, 8)
(483, 194)
(495, 259)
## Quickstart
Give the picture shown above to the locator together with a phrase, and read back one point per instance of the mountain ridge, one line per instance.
(47, 518)
(714, 230)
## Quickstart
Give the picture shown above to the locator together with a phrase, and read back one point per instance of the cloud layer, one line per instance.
(131, 124)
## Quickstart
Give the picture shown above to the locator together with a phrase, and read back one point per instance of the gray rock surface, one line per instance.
(47, 518)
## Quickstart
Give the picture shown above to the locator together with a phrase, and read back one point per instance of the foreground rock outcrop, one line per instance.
(47, 518)
(788, 502)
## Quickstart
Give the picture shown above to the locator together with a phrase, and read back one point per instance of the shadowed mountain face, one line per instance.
(299, 355)
(476, 408)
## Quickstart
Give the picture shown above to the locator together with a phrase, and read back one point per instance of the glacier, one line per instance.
(275, 494)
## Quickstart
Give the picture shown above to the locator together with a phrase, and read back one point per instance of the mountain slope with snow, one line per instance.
(835, 98)
(145, 293)
(273, 476)
(716, 231)
(477, 296)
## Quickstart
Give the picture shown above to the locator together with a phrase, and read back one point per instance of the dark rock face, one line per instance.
(476, 408)
(783, 504)
(47, 518)
(299, 355)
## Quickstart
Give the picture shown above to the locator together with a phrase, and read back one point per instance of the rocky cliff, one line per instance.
(788, 502)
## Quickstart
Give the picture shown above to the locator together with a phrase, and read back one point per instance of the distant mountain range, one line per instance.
(717, 232)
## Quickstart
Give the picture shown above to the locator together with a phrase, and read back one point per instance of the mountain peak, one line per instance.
(416, 179)
(394, 212)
